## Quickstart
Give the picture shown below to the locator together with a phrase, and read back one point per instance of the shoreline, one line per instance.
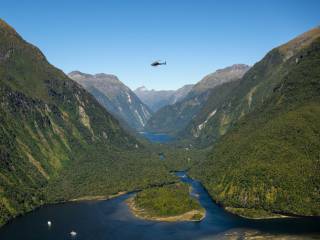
(268, 215)
(140, 213)
(235, 211)
(80, 199)
(97, 197)
(230, 210)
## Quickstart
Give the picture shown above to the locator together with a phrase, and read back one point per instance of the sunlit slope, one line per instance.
(226, 106)
(116, 97)
(268, 156)
(53, 131)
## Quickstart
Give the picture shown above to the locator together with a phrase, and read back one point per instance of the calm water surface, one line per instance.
(157, 137)
(111, 219)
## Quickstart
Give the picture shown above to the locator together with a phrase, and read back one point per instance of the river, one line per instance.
(111, 219)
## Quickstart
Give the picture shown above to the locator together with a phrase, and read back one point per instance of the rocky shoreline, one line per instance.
(98, 197)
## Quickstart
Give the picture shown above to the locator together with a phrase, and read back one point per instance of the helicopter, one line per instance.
(157, 63)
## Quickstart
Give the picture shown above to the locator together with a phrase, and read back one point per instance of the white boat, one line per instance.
(195, 195)
(49, 223)
(73, 233)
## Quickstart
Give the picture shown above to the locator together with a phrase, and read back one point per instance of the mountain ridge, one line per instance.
(174, 118)
(115, 96)
(267, 156)
(56, 140)
(248, 100)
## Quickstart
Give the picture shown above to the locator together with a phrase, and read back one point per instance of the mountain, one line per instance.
(265, 135)
(174, 118)
(202, 128)
(56, 141)
(154, 99)
(157, 99)
(219, 77)
(116, 97)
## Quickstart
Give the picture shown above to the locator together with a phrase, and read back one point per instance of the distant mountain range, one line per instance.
(116, 97)
(174, 118)
(156, 99)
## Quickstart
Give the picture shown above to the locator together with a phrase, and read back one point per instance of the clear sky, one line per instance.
(123, 37)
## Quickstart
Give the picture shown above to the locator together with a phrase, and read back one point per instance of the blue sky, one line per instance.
(124, 37)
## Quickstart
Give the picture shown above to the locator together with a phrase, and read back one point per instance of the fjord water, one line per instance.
(157, 137)
(111, 219)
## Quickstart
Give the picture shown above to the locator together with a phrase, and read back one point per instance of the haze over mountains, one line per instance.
(173, 118)
(173, 109)
(116, 97)
(156, 99)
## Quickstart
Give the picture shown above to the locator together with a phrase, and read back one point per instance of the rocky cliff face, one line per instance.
(116, 97)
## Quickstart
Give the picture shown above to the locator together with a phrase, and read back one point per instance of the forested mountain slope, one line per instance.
(267, 132)
(206, 117)
(258, 84)
(116, 97)
(56, 140)
(174, 118)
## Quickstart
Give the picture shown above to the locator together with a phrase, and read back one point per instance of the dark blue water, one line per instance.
(157, 137)
(220, 220)
(111, 219)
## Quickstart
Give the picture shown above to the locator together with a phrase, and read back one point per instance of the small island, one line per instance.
(168, 203)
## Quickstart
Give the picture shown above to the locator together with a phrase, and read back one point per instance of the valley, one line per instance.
(102, 219)
(57, 142)
(235, 155)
